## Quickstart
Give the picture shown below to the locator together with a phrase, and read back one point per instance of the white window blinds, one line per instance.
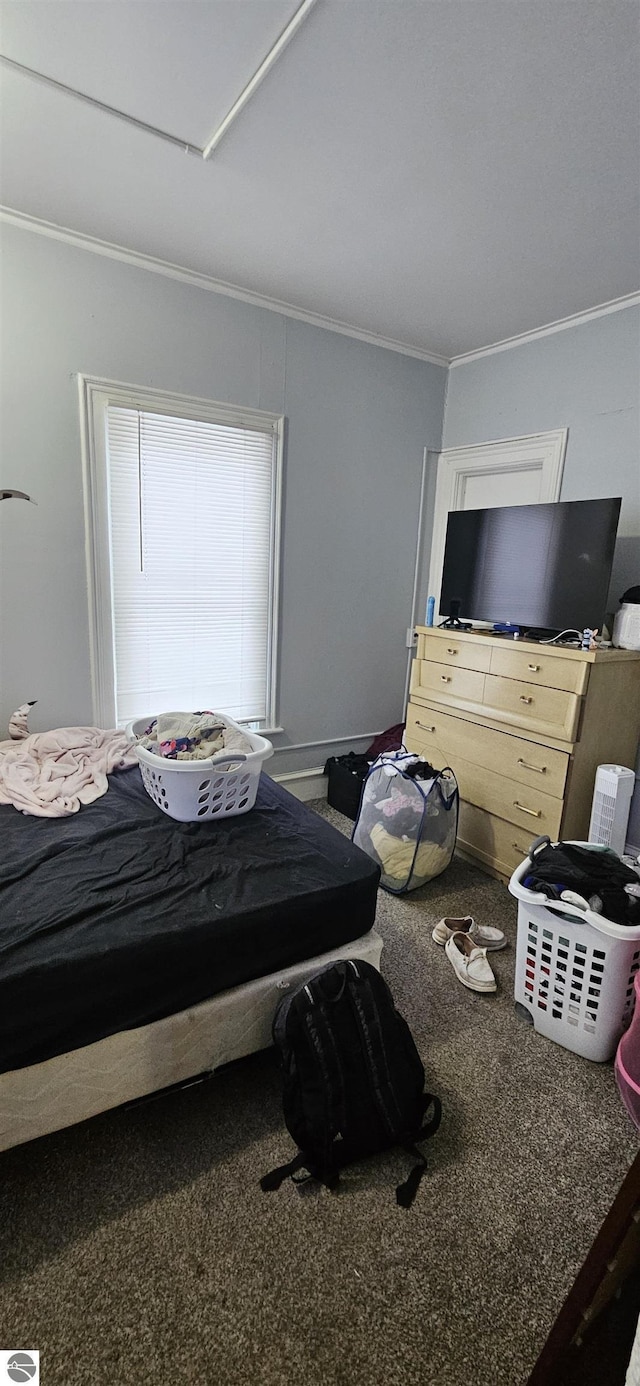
(191, 534)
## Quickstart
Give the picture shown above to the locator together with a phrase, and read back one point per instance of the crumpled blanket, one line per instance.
(51, 774)
(193, 736)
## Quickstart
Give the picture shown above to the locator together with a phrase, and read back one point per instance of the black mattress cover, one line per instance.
(119, 916)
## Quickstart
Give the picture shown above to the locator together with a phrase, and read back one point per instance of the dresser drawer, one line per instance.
(445, 681)
(430, 732)
(469, 654)
(495, 842)
(547, 710)
(530, 809)
(543, 668)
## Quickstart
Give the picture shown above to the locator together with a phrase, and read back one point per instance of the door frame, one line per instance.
(547, 450)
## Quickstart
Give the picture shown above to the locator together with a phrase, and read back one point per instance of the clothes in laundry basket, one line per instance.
(192, 736)
(597, 874)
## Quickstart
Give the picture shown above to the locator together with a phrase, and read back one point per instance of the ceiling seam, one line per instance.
(186, 145)
(202, 151)
(269, 60)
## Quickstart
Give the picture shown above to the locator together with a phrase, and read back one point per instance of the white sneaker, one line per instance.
(482, 935)
(470, 963)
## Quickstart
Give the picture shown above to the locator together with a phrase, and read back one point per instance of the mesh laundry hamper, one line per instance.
(575, 971)
(408, 825)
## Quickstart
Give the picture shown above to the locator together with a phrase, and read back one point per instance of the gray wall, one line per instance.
(358, 420)
(586, 378)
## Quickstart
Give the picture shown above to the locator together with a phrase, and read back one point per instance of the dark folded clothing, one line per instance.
(596, 874)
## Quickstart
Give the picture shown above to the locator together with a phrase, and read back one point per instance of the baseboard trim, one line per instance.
(304, 784)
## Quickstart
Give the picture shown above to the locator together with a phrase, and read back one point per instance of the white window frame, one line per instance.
(96, 396)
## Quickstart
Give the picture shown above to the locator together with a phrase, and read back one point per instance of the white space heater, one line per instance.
(611, 803)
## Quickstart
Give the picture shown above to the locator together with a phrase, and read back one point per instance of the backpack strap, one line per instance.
(335, 1078)
(430, 1127)
(319, 1035)
(367, 1016)
(277, 1176)
(405, 1193)
(315, 1025)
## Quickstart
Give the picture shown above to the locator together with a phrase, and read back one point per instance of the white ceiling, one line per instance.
(445, 173)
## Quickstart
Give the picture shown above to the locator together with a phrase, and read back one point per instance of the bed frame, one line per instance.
(71, 1087)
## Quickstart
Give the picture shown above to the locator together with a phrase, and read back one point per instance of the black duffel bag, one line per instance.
(345, 778)
(346, 774)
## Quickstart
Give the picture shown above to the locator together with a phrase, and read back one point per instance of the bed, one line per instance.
(136, 951)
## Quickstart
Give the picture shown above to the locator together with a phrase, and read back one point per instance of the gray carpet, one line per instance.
(138, 1247)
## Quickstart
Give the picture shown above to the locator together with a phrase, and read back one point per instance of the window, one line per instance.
(183, 513)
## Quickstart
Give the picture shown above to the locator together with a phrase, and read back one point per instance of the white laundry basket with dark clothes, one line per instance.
(575, 971)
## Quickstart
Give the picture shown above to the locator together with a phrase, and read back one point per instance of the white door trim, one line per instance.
(544, 450)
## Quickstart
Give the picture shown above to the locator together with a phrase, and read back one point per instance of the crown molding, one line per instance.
(575, 320)
(140, 260)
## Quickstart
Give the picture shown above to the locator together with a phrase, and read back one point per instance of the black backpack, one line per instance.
(353, 1078)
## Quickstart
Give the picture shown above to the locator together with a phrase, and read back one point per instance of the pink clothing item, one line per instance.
(398, 801)
(51, 774)
(627, 1064)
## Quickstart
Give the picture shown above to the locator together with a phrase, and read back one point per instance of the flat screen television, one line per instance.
(538, 567)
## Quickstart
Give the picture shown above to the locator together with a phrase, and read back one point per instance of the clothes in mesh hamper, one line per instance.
(407, 824)
(575, 971)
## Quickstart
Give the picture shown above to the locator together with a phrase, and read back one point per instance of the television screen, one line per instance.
(539, 566)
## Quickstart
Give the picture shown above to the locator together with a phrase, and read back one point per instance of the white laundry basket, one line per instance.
(574, 971)
(222, 786)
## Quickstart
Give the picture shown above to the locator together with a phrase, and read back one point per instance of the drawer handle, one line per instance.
(535, 668)
(517, 848)
(525, 700)
(445, 678)
(450, 650)
(539, 769)
(535, 813)
(424, 728)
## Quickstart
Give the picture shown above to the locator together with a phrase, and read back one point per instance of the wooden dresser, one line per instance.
(524, 726)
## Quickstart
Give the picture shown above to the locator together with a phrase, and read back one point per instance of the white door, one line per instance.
(514, 471)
